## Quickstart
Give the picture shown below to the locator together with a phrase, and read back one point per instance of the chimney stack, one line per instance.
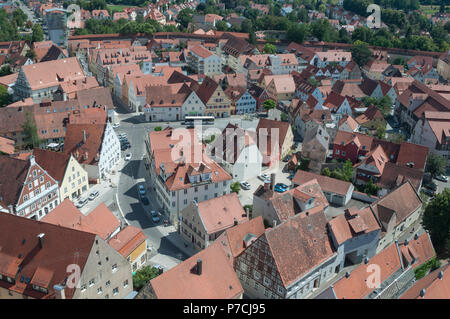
(59, 292)
(41, 237)
(347, 274)
(84, 136)
(416, 236)
(440, 275)
(199, 267)
(422, 292)
(272, 180)
(235, 222)
(274, 223)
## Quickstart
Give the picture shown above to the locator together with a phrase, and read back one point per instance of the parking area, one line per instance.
(246, 196)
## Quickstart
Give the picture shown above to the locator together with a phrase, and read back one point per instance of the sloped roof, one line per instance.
(355, 286)
(217, 281)
(13, 172)
(298, 245)
(54, 163)
(433, 286)
(47, 265)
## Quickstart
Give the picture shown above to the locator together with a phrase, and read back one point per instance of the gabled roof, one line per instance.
(100, 221)
(356, 287)
(207, 89)
(54, 163)
(298, 245)
(417, 251)
(127, 240)
(402, 201)
(233, 240)
(13, 172)
(435, 285)
(221, 212)
(327, 184)
(42, 266)
(84, 152)
(372, 113)
(217, 280)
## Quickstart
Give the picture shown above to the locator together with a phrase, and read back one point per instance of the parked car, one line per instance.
(428, 192)
(431, 186)
(145, 201)
(280, 188)
(155, 217)
(115, 125)
(141, 189)
(245, 185)
(128, 157)
(81, 203)
(264, 177)
(93, 195)
(442, 178)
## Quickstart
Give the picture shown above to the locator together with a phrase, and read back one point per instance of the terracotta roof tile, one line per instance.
(217, 281)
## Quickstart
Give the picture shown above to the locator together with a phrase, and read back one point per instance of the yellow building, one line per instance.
(131, 243)
(217, 103)
(72, 178)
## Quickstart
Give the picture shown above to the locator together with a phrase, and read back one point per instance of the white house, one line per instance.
(95, 146)
(204, 61)
(237, 151)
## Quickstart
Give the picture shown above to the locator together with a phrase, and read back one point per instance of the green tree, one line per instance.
(436, 164)
(381, 131)
(270, 49)
(221, 26)
(5, 98)
(30, 134)
(370, 188)
(269, 104)
(143, 276)
(436, 219)
(360, 53)
(5, 70)
(235, 187)
(297, 32)
(158, 128)
(38, 33)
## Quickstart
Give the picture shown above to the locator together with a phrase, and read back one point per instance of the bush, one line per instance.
(158, 128)
(430, 265)
(143, 276)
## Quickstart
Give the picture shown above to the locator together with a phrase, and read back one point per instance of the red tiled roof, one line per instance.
(298, 245)
(62, 247)
(326, 183)
(433, 286)
(221, 212)
(356, 287)
(127, 240)
(417, 251)
(217, 281)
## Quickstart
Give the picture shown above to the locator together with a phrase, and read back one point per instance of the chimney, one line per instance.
(274, 223)
(347, 274)
(416, 236)
(272, 180)
(84, 136)
(422, 292)
(41, 237)
(235, 222)
(440, 275)
(59, 292)
(199, 267)
(406, 242)
(366, 260)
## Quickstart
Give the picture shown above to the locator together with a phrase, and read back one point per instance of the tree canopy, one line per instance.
(436, 219)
